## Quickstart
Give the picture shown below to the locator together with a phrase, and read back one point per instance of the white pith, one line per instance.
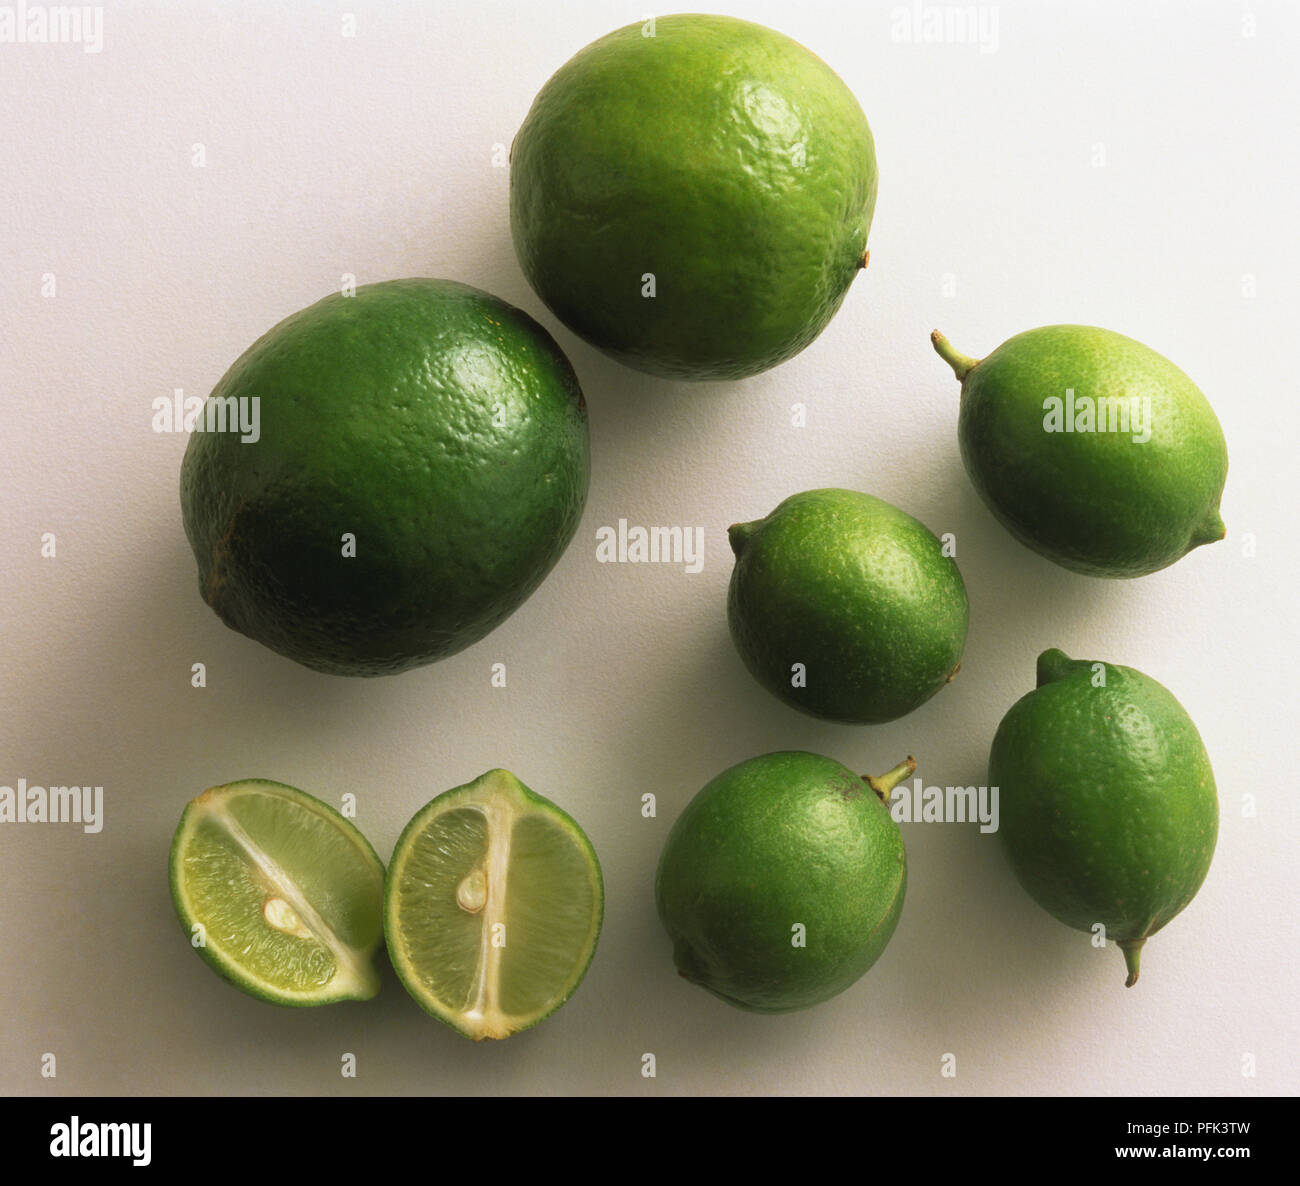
(483, 1014)
(353, 974)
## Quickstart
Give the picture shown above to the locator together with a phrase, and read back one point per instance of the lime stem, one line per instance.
(1132, 949)
(961, 364)
(885, 783)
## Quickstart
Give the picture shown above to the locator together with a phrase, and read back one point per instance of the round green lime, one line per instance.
(846, 607)
(420, 463)
(783, 880)
(692, 195)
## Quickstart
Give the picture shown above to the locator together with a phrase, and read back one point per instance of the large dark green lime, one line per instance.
(421, 465)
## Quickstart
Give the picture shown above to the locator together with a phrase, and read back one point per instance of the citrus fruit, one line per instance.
(493, 906)
(846, 607)
(279, 893)
(783, 880)
(1108, 807)
(692, 195)
(1091, 449)
(422, 463)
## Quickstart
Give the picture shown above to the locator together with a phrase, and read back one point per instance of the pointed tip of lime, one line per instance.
(686, 962)
(738, 534)
(502, 781)
(1211, 530)
(1052, 665)
(1132, 949)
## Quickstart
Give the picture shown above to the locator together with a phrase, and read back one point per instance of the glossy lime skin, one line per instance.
(719, 156)
(778, 840)
(1099, 503)
(1108, 806)
(438, 425)
(859, 593)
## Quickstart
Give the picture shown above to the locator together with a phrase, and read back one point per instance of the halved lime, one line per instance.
(493, 907)
(279, 893)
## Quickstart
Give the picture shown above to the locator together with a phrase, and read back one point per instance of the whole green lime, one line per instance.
(421, 462)
(1091, 448)
(1108, 806)
(846, 607)
(783, 880)
(692, 195)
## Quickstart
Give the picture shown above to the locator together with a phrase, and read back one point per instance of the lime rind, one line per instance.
(536, 879)
(289, 951)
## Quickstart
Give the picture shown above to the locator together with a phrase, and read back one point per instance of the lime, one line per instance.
(846, 607)
(1091, 448)
(1109, 809)
(279, 893)
(420, 463)
(493, 907)
(783, 880)
(692, 195)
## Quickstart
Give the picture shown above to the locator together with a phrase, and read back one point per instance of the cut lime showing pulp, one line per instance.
(493, 906)
(279, 893)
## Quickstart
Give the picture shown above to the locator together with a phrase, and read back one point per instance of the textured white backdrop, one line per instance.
(1124, 165)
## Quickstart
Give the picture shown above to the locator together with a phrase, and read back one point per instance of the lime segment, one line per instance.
(493, 907)
(280, 893)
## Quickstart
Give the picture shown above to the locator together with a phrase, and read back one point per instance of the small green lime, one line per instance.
(1108, 806)
(783, 880)
(1091, 449)
(846, 607)
(692, 195)
(493, 907)
(420, 465)
(279, 893)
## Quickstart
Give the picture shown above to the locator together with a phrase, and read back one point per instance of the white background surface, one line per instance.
(1124, 165)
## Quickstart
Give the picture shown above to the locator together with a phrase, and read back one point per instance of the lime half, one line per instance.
(493, 907)
(279, 893)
